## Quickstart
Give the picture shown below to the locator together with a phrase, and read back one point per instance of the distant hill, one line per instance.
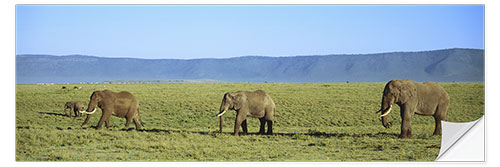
(461, 65)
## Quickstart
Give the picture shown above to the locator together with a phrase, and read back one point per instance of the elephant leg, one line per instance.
(74, 112)
(105, 116)
(127, 123)
(262, 125)
(137, 123)
(406, 123)
(237, 123)
(86, 119)
(269, 127)
(106, 123)
(71, 110)
(221, 120)
(440, 115)
(437, 129)
(244, 127)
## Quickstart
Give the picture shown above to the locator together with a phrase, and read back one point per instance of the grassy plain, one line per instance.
(313, 122)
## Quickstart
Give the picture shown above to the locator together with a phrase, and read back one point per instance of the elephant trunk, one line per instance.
(221, 120)
(92, 106)
(86, 119)
(385, 109)
(384, 114)
(385, 123)
(221, 117)
(223, 108)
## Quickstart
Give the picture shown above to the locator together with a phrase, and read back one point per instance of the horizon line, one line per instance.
(333, 54)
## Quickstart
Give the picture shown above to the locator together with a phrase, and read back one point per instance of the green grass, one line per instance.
(313, 122)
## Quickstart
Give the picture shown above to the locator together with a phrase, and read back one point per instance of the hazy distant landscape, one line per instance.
(447, 65)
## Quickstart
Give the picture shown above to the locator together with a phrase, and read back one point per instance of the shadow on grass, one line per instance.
(315, 134)
(56, 114)
(339, 135)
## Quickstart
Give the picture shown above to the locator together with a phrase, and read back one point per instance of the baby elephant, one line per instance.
(255, 104)
(74, 106)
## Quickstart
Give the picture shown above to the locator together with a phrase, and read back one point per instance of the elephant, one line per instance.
(74, 106)
(122, 104)
(427, 99)
(255, 104)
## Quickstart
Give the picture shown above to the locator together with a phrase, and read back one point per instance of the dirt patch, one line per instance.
(433, 146)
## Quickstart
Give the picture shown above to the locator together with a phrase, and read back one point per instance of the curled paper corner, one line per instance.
(462, 141)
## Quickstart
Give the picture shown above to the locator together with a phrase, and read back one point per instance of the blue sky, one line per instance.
(220, 31)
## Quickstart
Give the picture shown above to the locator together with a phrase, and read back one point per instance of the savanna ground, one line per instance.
(313, 122)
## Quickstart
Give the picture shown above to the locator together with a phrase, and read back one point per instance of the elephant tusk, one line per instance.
(218, 115)
(386, 113)
(93, 111)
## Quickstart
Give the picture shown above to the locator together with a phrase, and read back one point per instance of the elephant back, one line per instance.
(79, 104)
(261, 92)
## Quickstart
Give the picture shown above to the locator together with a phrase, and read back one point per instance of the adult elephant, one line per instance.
(255, 104)
(428, 99)
(122, 104)
(74, 107)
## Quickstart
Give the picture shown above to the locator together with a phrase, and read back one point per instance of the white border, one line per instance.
(7, 44)
(249, 2)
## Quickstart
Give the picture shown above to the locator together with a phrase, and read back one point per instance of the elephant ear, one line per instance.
(98, 95)
(407, 91)
(237, 101)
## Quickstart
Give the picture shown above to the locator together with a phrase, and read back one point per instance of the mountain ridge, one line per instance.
(445, 65)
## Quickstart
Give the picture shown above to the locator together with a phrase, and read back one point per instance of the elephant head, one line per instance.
(395, 92)
(69, 104)
(74, 106)
(230, 101)
(95, 101)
